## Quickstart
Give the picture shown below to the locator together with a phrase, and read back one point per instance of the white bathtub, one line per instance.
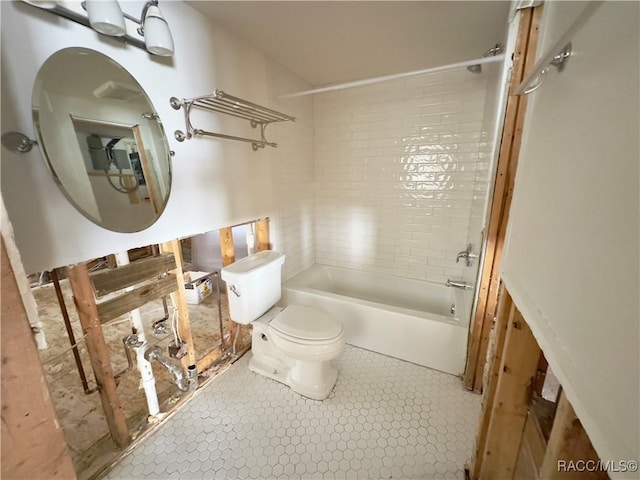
(407, 319)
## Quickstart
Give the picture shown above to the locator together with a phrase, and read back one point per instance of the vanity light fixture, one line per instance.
(106, 17)
(46, 4)
(152, 25)
(154, 28)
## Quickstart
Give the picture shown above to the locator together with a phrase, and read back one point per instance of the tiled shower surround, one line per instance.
(399, 168)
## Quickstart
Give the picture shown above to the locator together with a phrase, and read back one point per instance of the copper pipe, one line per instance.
(129, 366)
(72, 338)
(222, 346)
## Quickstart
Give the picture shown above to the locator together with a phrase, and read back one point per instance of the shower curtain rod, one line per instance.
(385, 78)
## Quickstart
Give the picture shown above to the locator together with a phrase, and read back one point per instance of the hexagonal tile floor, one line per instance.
(384, 419)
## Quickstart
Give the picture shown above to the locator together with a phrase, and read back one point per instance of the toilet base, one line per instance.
(306, 380)
(314, 380)
(317, 379)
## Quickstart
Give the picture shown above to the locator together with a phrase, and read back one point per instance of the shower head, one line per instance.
(493, 51)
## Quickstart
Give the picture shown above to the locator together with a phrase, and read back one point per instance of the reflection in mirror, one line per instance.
(102, 139)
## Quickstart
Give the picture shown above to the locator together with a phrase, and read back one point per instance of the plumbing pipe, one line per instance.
(192, 378)
(159, 323)
(185, 383)
(222, 345)
(127, 352)
(144, 366)
(70, 335)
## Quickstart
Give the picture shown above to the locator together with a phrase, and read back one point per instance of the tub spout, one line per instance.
(467, 255)
(459, 284)
(185, 383)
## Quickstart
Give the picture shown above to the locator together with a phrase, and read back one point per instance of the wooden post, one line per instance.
(262, 235)
(148, 172)
(569, 442)
(228, 252)
(511, 402)
(179, 298)
(506, 314)
(84, 298)
(503, 191)
(33, 445)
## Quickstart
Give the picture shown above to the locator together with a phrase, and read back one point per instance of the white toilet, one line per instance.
(293, 345)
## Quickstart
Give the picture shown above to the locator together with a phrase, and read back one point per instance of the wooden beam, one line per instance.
(535, 441)
(569, 444)
(109, 281)
(228, 253)
(486, 306)
(179, 297)
(84, 298)
(506, 313)
(147, 170)
(208, 359)
(32, 441)
(226, 246)
(511, 403)
(136, 298)
(129, 183)
(262, 235)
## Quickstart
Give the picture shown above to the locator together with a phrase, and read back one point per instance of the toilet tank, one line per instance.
(254, 285)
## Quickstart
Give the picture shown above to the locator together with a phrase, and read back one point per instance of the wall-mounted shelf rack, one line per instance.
(222, 102)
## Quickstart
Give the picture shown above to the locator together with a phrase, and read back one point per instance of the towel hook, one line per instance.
(17, 142)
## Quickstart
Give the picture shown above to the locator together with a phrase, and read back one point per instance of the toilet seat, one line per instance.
(303, 324)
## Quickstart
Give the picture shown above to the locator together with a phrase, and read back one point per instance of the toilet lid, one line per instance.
(306, 323)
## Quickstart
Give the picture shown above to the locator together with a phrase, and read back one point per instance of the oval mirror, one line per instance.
(102, 139)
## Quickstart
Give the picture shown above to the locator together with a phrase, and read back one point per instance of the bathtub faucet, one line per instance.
(466, 254)
(459, 284)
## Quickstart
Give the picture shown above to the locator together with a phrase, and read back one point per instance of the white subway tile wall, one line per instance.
(398, 167)
(291, 229)
(485, 168)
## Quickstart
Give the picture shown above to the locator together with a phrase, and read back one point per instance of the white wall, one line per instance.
(397, 167)
(572, 257)
(216, 183)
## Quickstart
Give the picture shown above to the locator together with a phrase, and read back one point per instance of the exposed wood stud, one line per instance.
(226, 246)
(506, 311)
(147, 170)
(496, 230)
(262, 235)
(136, 298)
(108, 281)
(531, 451)
(128, 182)
(32, 444)
(511, 403)
(228, 252)
(208, 359)
(179, 298)
(568, 442)
(84, 298)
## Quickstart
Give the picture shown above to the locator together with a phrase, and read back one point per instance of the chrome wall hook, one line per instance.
(17, 142)
(561, 58)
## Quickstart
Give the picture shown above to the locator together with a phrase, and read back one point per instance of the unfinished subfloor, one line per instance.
(385, 418)
(81, 416)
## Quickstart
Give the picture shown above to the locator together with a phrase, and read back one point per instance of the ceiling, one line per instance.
(327, 42)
